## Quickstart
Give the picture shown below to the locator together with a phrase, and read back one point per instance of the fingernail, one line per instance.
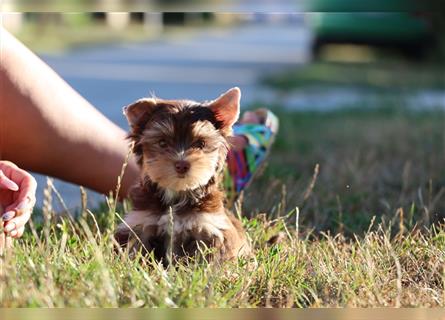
(13, 233)
(9, 227)
(8, 215)
(10, 185)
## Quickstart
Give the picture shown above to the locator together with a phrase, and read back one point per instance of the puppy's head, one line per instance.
(182, 144)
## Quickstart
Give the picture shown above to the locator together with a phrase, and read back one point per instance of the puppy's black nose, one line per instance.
(182, 166)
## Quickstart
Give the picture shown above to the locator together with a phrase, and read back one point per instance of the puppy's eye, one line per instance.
(199, 144)
(162, 143)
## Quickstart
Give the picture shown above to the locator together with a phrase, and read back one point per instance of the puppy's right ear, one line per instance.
(139, 111)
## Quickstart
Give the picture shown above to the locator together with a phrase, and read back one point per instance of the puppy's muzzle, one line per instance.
(182, 167)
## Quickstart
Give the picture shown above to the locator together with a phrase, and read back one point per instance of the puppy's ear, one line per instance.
(226, 108)
(139, 111)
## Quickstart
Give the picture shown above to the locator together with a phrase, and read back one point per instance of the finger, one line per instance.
(29, 184)
(8, 215)
(21, 177)
(6, 183)
(19, 206)
(7, 164)
(18, 222)
(8, 168)
(20, 232)
(25, 201)
(17, 233)
(9, 227)
(28, 188)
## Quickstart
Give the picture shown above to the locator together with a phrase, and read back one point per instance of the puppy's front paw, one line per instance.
(207, 245)
(122, 235)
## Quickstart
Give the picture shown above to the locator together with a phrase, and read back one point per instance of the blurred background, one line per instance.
(362, 94)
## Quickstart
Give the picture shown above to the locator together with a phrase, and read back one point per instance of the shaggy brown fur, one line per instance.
(181, 147)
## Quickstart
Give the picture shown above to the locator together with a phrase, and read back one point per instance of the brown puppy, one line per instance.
(181, 148)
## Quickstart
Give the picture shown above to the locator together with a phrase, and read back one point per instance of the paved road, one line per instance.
(198, 66)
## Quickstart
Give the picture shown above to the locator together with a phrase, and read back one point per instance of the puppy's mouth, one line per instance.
(180, 175)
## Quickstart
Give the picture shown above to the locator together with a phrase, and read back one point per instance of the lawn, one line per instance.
(389, 74)
(356, 197)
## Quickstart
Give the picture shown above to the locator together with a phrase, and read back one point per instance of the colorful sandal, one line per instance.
(242, 165)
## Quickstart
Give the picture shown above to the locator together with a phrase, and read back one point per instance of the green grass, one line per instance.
(382, 75)
(371, 163)
(76, 266)
(368, 230)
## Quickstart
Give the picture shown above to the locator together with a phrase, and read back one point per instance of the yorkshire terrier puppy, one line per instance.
(181, 148)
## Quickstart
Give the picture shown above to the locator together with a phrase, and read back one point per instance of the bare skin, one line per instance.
(47, 127)
(17, 199)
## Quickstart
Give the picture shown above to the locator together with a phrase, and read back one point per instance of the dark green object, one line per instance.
(397, 24)
(363, 5)
(400, 27)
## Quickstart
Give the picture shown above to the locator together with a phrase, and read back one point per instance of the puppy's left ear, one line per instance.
(139, 110)
(226, 108)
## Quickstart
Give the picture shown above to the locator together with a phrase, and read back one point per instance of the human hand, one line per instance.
(17, 197)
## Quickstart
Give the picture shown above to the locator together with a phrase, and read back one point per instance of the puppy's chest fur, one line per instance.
(185, 221)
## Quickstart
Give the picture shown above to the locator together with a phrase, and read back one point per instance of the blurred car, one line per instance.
(411, 33)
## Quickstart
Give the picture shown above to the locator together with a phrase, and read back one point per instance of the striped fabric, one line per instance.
(242, 165)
